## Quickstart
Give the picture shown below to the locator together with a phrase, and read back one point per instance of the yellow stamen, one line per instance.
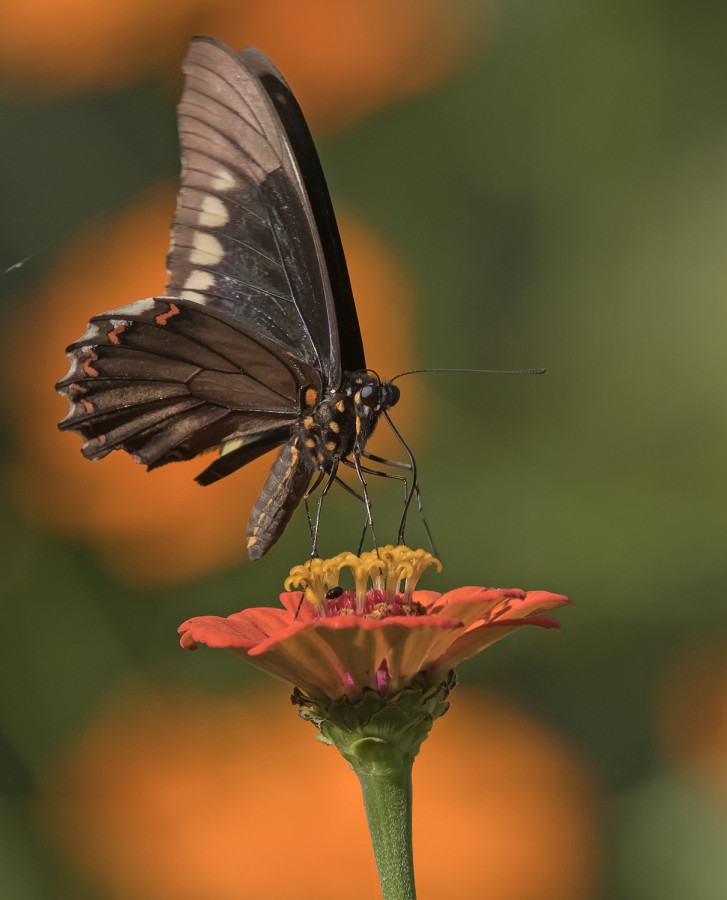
(393, 570)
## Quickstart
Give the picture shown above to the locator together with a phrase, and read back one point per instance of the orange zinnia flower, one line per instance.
(373, 667)
(382, 636)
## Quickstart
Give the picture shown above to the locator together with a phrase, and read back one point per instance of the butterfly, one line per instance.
(256, 343)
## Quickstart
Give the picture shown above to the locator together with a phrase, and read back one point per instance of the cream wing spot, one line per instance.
(207, 251)
(198, 281)
(223, 180)
(214, 213)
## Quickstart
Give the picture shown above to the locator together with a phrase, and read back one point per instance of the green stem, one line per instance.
(387, 795)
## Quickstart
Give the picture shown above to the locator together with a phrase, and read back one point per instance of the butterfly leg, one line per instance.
(407, 499)
(326, 488)
(369, 471)
(360, 472)
(394, 463)
(311, 488)
(412, 466)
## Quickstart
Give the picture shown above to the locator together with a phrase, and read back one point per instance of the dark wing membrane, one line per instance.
(165, 379)
(239, 452)
(245, 239)
(304, 152)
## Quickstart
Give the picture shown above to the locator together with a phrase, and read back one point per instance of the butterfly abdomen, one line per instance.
(282, 492)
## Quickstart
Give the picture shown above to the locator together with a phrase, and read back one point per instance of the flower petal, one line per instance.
(471, 604)
(240, 630)
(481, 636)
(426, 598)
(341, 655)
(302, 612)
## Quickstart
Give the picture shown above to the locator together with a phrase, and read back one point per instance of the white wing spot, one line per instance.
(214, 213)
(194, 296)
(92, 334)
(232, 445)
(207, 250)
(199, 281)
(223, 181)
(135, 309)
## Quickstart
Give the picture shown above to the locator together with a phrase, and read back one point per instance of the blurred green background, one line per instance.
(557, 196)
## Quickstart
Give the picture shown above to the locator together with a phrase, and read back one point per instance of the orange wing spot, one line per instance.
(340, 406)
(251, 542)
(331, 445)
(310, 443)
(358, 424)
(113, 335)
(87, 367)
(162, 318)
(334, 427)
(294, 456)
(78, 388)
(357, 397)
(308, 422)
(321, 458)
(311, 397)
(87, 405)
(101, 440)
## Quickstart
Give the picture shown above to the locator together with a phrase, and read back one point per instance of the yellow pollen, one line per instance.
(393, 570)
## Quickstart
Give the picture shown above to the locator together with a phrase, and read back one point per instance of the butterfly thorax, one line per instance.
(340, 423)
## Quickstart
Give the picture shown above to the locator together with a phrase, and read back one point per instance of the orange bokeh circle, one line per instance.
(344, 59)
(194, 797)
(692, 712)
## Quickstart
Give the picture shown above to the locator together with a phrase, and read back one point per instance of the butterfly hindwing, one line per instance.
(165, 379)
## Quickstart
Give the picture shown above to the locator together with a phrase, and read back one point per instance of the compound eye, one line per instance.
(368, 391)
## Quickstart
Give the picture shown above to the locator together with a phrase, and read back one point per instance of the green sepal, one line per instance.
(378, 731)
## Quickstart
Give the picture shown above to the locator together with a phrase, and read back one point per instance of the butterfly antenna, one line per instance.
(65, 235)
(474, 371)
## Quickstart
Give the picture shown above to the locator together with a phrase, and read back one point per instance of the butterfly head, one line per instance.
(379, 396)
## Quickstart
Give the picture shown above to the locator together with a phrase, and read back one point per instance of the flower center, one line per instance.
(376, 605)
(384, 580)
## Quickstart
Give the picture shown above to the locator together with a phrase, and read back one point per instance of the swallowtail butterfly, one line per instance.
(256, 343)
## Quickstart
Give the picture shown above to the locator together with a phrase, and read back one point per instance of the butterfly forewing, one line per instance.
(244, 239)
(333, 260)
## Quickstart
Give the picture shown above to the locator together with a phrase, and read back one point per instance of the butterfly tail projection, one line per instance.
(282, 492)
